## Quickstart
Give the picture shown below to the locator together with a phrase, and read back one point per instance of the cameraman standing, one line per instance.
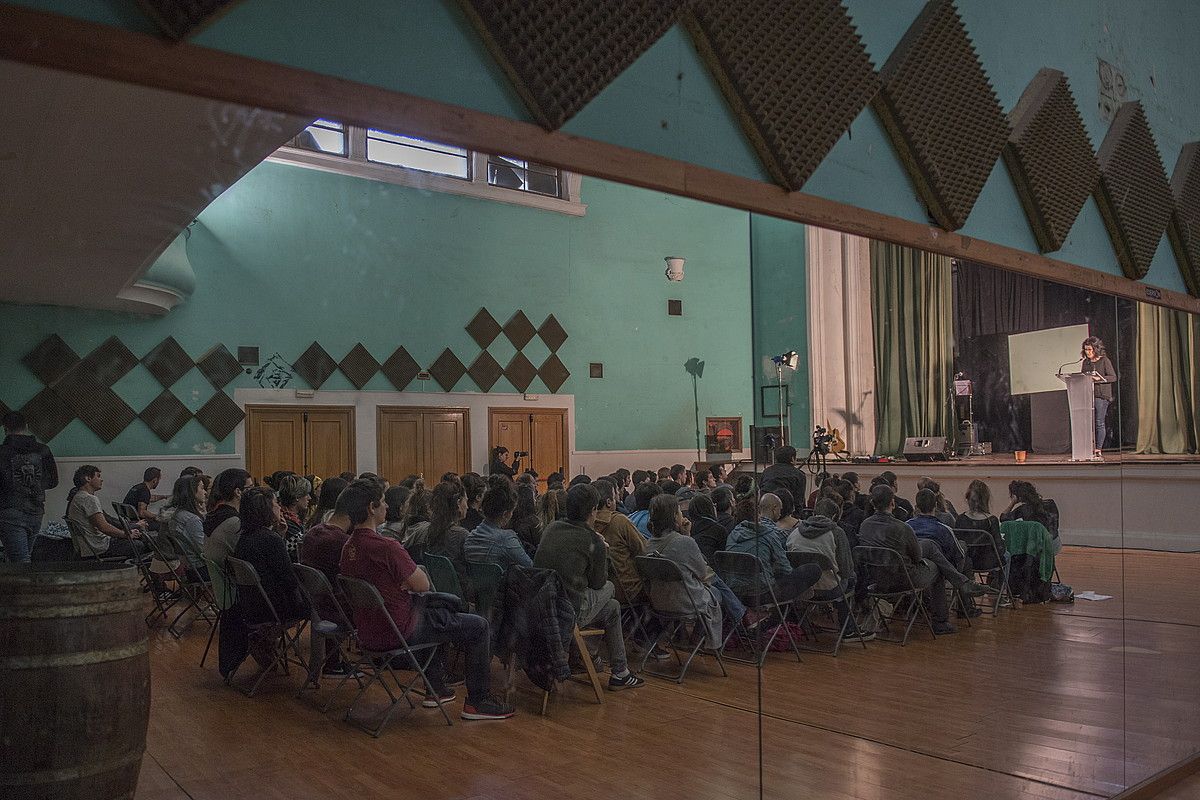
(502, 462)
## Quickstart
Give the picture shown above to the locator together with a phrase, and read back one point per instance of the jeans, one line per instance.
(469, 633)
(734, 608)
(600, 607)
(123, 548)
(1100, 406)
(18, 529)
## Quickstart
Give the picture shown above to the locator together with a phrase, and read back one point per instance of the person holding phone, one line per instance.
(1097, 365)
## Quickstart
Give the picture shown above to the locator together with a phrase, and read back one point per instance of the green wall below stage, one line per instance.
(291, 255)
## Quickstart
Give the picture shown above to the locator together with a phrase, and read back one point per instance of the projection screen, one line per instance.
(1034, 357)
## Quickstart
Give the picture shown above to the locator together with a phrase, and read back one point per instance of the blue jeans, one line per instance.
(1100, 406)
(734, 608)
(18, 529)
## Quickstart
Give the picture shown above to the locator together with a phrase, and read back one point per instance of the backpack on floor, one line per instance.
(1061, 593)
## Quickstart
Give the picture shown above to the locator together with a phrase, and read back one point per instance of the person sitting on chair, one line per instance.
(572, 548)
(642, 496)
(820, 534)
(1025, 503)
(492, 542)
(85, 515)
(625, 543)
(668, 541)
(764, 540)
(979, 516)
(141, 495)
(444, 534)
(386, 565)
(926, 525)
(926, 564)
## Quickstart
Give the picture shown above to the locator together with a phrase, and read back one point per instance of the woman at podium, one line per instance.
(1097, 365)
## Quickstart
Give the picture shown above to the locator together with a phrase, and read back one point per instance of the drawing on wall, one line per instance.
(275, 373)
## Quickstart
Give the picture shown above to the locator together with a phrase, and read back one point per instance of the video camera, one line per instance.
(521, 454)
(821, 440)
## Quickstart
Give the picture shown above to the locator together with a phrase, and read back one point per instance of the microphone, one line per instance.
(1069, 363)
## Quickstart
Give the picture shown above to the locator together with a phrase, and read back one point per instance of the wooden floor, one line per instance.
(1047, 702)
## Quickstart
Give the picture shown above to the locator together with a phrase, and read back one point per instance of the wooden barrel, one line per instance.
(75, 681)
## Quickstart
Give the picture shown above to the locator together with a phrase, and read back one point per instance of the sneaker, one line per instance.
(944, 628)
(752, 619)
(661, 654)
(858, 637)
(444, 696)
(342, 671)
(489, 708)
(630, 681)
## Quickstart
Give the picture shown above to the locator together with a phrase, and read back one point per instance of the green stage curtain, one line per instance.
(1167, 380)
(912, 305)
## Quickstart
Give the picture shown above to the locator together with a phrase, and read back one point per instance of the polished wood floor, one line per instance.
(1047, 702)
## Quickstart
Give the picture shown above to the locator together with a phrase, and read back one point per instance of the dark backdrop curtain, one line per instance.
(912, 315)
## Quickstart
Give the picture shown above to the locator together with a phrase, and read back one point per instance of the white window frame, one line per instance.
(355, 164)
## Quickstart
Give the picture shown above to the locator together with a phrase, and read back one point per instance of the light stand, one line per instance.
(790, 359)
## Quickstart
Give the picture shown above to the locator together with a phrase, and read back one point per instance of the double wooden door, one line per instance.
(540, 432)
(428, 442)
(307, 440)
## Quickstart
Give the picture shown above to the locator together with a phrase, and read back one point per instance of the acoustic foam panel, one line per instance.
(1184, 229)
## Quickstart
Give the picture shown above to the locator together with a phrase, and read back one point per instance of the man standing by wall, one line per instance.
(27, 470)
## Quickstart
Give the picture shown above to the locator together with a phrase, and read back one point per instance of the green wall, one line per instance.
(290, 255)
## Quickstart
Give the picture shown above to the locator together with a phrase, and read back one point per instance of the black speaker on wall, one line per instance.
(926, 448)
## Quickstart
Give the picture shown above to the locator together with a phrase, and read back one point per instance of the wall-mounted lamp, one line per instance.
(674, 268)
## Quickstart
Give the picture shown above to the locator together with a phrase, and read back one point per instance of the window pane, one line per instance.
(414, 153)
(524, 176)
(323, 136)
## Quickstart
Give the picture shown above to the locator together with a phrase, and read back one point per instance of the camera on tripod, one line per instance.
(822, 440)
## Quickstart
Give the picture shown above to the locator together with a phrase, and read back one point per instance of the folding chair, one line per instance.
(658, 570)
(442, 575)
(981, 548)
(886, 567)
(286, 634)
(633, 612)
(377, 664)
(745, 569)
(327, 621)
(579, 637)
(223, 597)
(84, 549)
(192, 589)
(807, 605)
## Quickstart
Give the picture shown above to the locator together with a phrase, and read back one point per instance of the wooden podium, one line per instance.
(1080, 392)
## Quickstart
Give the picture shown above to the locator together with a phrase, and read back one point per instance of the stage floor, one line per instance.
(1031, 460)
(1045, 702)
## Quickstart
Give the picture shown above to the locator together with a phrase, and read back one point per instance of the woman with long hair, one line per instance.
(551, 506)
(525, 520)
(979, 516)
(396, 498)
(695, 592)
(1096, 364)
(1027, 504)
(326, 500)
(189, 499)
(416, 510)
(444, 534)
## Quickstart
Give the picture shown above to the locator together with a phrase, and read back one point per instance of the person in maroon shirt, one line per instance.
(385, 564)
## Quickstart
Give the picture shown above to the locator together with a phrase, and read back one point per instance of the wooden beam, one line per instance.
(73, 45)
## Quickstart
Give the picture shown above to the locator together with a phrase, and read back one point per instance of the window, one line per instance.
(408, 160)
(413, 153)
(525, 176)
(323, 136)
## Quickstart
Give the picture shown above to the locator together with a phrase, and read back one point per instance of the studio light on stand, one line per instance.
(790, 359)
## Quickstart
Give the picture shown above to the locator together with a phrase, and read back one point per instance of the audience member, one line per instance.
(444, 534)
(386, 565)
(474, 487)
(396, 497)
(640, 476)
(668, 541)
(293, 493)
(926, 525)
(572, 548)
(416, 509)
(526, 522)
(625, 543)
(904, 509)
(820, 533)
(820, 480)
(764, 540)
(926, 564)
(664, 473)
(641, 506)
(722, 498)
(707, 531)
(784, 474)
(1025, 503)
(944, 510)
(27, 472)
(705, 481)
(188, 505)
(788, 519)
(493, 541)
(327, 495)
(86, 515)
(979, 516)
(549, 507)
(580, 478)
(222, 527)
(720, 472)
(745, 485)
(141, 495)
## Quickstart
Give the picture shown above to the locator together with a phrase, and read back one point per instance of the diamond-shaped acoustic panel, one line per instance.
(94, 403)
(109, 362)
(47, 414)
(50, 359)
(400, 369)
(519, 330)
(553, 373)
(483, 328)
(559, 54)
(520, 372)
(795, 72)
(315, 365)
(552, 334)
(1050, 158)
(485, 371)
(165, 415)
(447, 370)
(1185, 221)
(219, 366)
(220, 415)
(941, 113)
(1134, 196)
(359, 366)
(181, 18)
(168, 362)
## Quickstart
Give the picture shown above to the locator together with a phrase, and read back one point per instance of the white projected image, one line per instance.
(1034, 358)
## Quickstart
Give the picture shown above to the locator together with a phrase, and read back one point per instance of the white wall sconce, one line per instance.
(674, 268)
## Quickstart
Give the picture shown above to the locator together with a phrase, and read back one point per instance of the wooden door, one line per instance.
(540, 432)
(428, 442)
(307, 440)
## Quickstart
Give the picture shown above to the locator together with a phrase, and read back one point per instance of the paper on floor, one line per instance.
(1092, 596)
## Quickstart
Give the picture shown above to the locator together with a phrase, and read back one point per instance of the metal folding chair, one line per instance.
(443, 575)
(981, 548)
(377, 665)
(807, 605)
(655, 569)
(84, 549)
(223, 597)
(745, 569)
(328, 621)
(286, 634)
(885, 567)
(193, 591)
